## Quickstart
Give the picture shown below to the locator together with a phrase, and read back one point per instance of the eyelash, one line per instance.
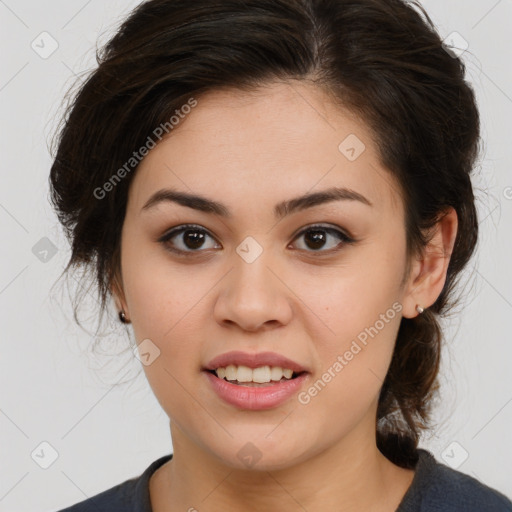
(165, 239)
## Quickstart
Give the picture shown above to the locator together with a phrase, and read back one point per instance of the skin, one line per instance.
(251, 151)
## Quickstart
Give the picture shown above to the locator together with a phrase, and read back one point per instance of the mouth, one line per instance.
(255, 381)
(256, 396)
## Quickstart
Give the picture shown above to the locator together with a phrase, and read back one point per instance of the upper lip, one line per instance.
(255, 360)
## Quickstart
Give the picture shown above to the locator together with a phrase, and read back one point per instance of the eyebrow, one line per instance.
(281, 210)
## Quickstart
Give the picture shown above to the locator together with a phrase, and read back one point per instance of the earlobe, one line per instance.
(428, 275)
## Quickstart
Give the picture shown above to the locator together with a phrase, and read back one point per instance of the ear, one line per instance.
(117, 291)
(428, 271)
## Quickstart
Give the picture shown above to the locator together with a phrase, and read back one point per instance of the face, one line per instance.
(317, 282)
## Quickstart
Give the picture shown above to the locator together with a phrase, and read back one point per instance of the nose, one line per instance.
(253, 297)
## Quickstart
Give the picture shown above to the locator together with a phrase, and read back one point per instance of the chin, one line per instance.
(252, 449)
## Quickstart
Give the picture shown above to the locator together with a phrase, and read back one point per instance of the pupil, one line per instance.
(316, 237)
(193, 239)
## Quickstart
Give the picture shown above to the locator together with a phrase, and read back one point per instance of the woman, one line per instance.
(277, 195)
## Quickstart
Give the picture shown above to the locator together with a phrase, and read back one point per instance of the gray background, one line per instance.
(96, 410)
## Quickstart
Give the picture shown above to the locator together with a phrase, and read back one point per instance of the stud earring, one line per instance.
(123, 318)
(419, 309)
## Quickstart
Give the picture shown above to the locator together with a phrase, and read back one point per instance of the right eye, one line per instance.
(189, 239)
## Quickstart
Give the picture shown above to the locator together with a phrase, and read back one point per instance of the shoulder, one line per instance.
(115, 499)
(129, 496)
(438, 488)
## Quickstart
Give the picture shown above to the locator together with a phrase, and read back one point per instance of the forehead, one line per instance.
(269, 144)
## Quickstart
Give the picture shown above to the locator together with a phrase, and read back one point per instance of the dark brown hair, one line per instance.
(382, 59)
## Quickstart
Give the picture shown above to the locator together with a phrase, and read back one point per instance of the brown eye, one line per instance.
(187, 238)
(193, 239)
(317, 238)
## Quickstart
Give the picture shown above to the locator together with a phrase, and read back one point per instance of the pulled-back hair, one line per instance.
(381, 59)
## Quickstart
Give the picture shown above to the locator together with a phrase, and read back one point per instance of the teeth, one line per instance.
(276, 373)
(261, 375)
(231, 372)
(244, 374)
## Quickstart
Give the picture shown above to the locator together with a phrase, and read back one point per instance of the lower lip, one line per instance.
(256, 398)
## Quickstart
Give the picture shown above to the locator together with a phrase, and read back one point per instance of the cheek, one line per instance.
(360, 305)
(352, 297)
(166, 305)
(163, 297)
(353, 363)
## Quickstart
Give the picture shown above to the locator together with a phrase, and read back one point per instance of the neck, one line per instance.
(351, 476)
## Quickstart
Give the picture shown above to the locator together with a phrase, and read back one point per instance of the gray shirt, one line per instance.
(435, 488)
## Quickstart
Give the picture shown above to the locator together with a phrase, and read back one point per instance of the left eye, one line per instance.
(192, 238)
(316, 237)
